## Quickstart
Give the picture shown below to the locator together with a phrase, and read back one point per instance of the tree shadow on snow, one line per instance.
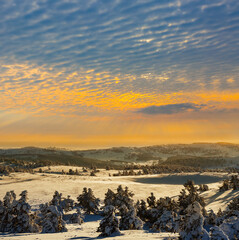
(92, 218)
(94, 238)
(225, 199)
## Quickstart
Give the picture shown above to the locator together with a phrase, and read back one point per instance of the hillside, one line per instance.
(196, 154)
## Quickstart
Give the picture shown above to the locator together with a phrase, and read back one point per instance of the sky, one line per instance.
(102, 73)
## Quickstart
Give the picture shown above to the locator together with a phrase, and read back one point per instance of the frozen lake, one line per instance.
(179, 179)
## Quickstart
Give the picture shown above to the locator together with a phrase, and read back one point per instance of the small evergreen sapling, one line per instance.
(75, 217)
(203, 187)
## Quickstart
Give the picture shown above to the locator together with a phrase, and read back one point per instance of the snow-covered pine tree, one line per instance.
(210, 219)
(232, 210)
(6, 213)
(230, 227)
(142, 211)
(203, 187)
(129, 219)
(220, 216)
(88, 201)
(153, 214)
(162, 204)
(16, 215)
(228, 220)
(191, 225)
(190, 186)
(216, 233)
(109, 224)
(167, 204)
(167, 222)
(51, 219)
(225, 185)
(235, 182)
(123, 197)
(190, 196)
(151, 200)
(67, 204)
(234, 205)
(75, 217)
(109, 198)
(56, 199)
(25, 220)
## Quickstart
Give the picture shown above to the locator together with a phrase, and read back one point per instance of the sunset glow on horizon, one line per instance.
(88, 74)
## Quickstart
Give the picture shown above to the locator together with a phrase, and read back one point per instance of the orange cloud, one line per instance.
(39, 89)
(43, 105)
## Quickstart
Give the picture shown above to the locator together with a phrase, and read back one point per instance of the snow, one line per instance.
(41, 187)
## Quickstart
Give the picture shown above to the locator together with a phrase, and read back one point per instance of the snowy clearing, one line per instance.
(41, 187)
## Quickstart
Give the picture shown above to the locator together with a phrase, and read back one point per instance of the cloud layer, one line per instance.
(171, 108)
(109, 60)
(122, 36)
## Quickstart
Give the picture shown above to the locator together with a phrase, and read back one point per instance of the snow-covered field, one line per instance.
(41, 187)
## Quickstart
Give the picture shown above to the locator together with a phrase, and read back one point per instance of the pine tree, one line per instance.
(76, 217)
(109, 224)
(234, 205)
(56, 201)
(129, 219)
(142, 211)
(230, 227)
(225, 185)
(191, 225)
(123, 197)
(167, 222)
(6, 212)
(51, 219)
(217, 234)
(151, 200)
(67, 204)
(109, 198)
(167, 204)
(16, 215)
(203, 187)
(235, 182)
(210, 219)
(62, 204)
(189, 196)
(163, 204)
(25, 220)
(88, 201)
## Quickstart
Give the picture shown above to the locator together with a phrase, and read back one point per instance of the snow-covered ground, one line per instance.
(41, 187)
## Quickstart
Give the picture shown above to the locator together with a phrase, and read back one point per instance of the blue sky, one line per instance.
(116, 58)
(123, 36)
